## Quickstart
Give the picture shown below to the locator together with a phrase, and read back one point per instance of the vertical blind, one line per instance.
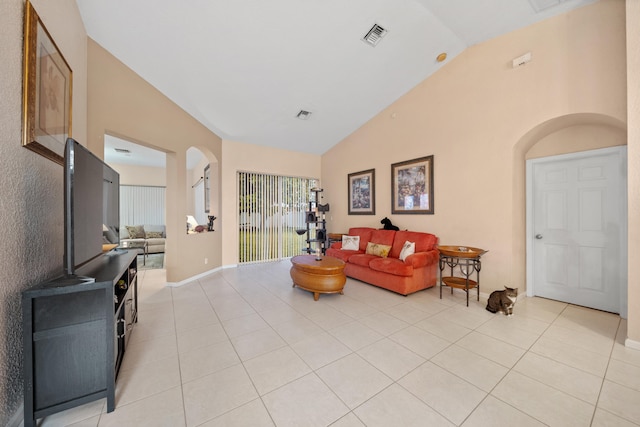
(271, 209)
(141, 205)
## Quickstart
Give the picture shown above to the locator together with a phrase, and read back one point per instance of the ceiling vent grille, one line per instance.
(375, 34)
(540, 5)
(303, 115)
(122, 150)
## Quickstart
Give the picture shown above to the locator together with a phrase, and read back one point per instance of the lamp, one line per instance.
(191, 223)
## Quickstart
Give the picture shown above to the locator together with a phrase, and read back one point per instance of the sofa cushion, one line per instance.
(364, 233)
(378, 250)
(153, 235)
(135, 231)
(362, 259)
(342, 254)
(391, 266)
(156, 228)
(424, 242)
(384, 237)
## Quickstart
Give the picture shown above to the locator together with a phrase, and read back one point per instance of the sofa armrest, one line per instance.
(422, 259)
(336, 245)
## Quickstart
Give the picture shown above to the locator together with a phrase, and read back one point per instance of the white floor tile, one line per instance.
(213, 395)
(621, 401)
(160, 410)
(353, 379)
(252, 414)
(477, 370)
(493, 412)
(544, 403)
(493, 349)
(356, 335)
(395, 406)
(275, 369)
(442, 391)
(570, 380)
(304, 402)
(391, 358)
(207, 360)
(320, 350)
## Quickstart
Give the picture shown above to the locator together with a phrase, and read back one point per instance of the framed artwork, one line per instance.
(412, 186)
(46, 97)
(207, 188)
(362, 192)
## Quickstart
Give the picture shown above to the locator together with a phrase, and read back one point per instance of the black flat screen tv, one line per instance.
(91, 206)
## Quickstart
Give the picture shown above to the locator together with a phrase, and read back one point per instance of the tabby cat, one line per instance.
(502, 301)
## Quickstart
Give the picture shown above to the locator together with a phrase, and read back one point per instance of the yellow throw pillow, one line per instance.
(378, 249)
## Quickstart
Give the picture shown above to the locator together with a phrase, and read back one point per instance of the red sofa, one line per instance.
(418, 271)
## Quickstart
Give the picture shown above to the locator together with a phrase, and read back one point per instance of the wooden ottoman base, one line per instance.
(324, 276)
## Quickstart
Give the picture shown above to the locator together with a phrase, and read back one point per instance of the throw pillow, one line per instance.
(135, 231)
(351, 243)
(407, 249)
(378, 250)
(153, 234)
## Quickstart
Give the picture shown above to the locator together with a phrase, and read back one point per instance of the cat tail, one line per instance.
(492, 310)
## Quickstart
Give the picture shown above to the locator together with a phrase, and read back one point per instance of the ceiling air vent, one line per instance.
(122, 150)
(303, 115)
(540, 5)
(375, 34)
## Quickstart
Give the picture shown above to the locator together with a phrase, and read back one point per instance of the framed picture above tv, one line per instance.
(412, 186)
(362, 192)
(46, 96)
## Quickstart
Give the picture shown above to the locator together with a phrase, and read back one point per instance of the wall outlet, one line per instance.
(206, 260)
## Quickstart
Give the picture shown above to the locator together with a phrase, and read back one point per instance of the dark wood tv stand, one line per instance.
(75, 335)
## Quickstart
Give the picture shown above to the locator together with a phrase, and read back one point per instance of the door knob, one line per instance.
(538, 236)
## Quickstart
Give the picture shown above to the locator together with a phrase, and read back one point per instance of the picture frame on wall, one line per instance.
(412, 186)
(207, 188)
(47, 86)
(362, 190)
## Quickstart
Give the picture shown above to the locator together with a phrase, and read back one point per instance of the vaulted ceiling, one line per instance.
(246, 68)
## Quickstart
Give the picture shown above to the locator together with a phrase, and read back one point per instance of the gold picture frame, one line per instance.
(46, 98)
(412, 186)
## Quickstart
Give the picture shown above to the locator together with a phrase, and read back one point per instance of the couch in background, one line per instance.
(154, 235)
(381, 261)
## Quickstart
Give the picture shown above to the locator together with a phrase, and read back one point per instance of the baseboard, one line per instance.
(192, 278)
(17, 419)
(632, 344)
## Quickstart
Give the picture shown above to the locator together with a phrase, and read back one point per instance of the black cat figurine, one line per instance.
(503, 301)
(387, 224)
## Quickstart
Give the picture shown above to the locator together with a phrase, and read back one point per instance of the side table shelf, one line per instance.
(467, 260)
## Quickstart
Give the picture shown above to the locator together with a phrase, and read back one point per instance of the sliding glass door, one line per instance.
(271, 209)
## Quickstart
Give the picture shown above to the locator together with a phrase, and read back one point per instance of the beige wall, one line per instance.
(124, 105)
(633, 153)
(141, 175)
(31, 212)
(254, 158)
(479, 117)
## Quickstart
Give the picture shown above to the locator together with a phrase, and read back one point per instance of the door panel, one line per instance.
(577, 217)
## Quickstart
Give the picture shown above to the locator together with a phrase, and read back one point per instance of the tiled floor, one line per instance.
(243, 348)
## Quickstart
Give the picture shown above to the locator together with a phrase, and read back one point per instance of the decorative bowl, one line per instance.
(461, 251)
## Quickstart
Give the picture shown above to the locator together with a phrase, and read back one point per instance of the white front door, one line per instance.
(577, 228)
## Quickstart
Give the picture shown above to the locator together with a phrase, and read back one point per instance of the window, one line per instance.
(271, 208)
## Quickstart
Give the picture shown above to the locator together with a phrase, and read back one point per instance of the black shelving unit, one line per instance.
(75, 335)
(317, 236)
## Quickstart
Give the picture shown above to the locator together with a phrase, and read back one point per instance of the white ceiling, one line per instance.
(140, 155)
(245, 68)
